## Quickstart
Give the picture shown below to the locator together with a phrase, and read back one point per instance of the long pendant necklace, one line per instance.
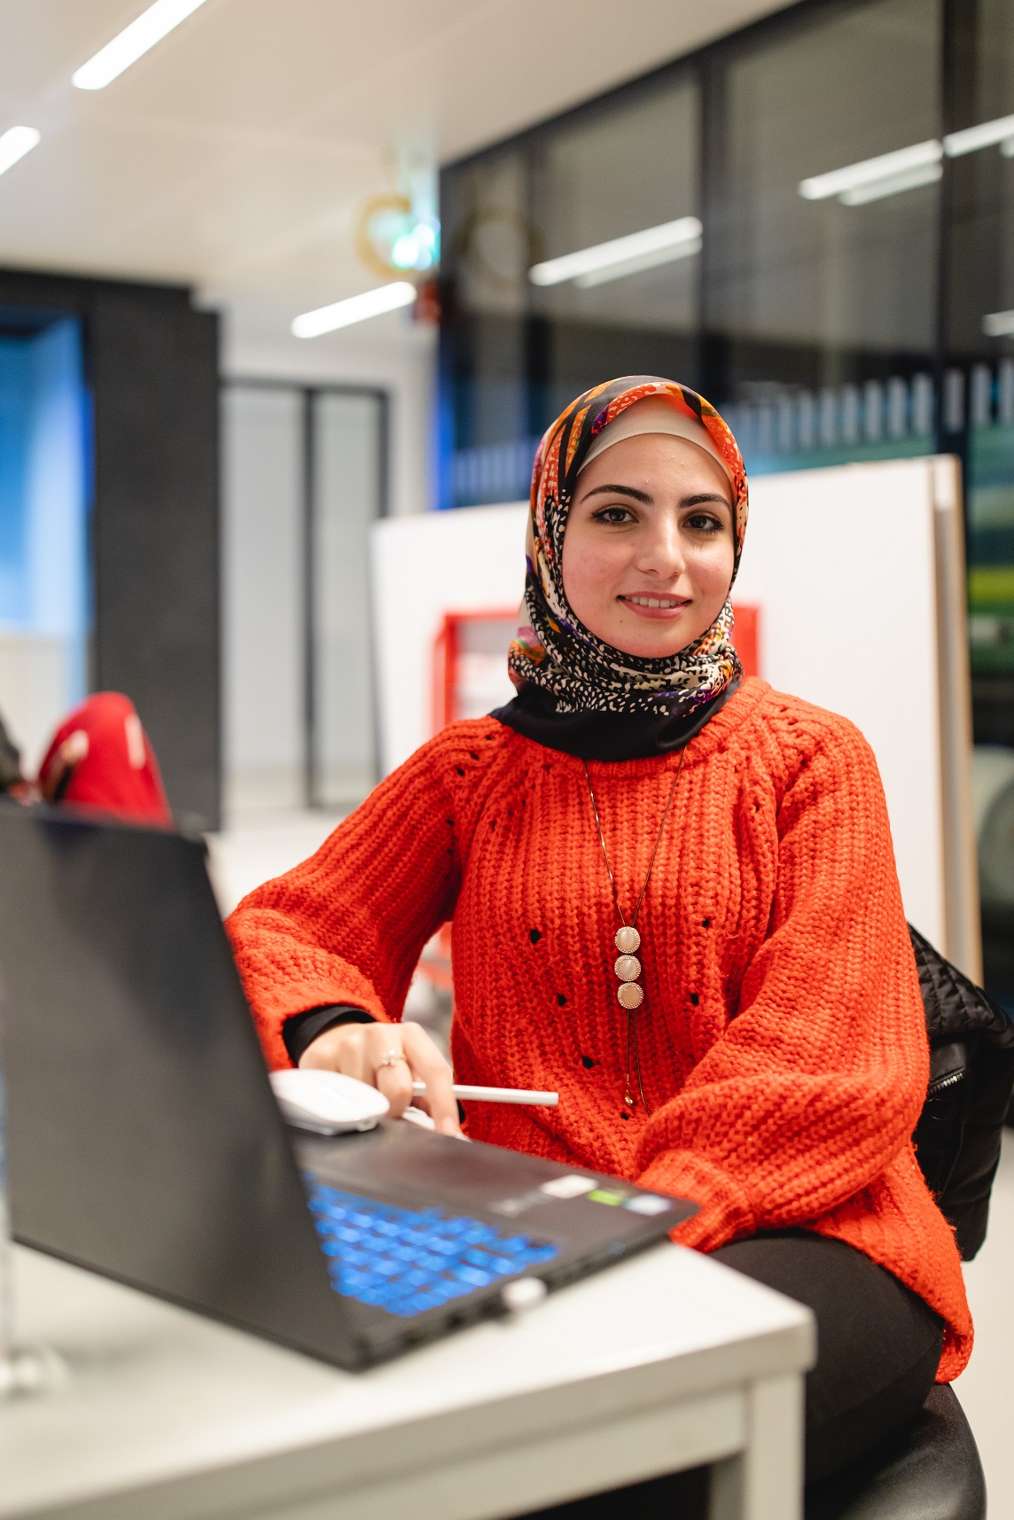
(627, 967)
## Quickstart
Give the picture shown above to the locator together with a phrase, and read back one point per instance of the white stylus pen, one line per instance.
(495, 1094)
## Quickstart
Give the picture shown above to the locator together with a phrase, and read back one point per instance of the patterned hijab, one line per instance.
(556, 653)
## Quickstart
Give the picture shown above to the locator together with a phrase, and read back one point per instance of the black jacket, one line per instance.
(960, 1130)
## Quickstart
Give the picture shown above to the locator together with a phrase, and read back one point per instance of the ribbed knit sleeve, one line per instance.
(816, 1084)
(347, 926)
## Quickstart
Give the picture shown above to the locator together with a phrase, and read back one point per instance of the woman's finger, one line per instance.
(388, 1057)
(429, 1065)
(392, 1074)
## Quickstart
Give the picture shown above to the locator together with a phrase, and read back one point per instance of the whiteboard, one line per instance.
(858, 576)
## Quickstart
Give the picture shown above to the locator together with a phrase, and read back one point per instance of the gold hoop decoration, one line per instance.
(467, 249)
(388, 200)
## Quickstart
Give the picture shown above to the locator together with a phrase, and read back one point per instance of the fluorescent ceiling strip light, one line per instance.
(999, 324)
(888, 165)
(15, 143)
(373, 303)
(617, 251)
(894, 184)
(635, 266)
(868, 170)
(133, 42)
(985, 135)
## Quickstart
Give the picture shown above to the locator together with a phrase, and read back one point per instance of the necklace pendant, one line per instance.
(627, 940)
(627, 968)
(630, 995)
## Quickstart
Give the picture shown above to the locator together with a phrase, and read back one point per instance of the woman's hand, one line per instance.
(390, 1057)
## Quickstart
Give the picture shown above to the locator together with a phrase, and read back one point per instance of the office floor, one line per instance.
(261, 845)
(984, 1389)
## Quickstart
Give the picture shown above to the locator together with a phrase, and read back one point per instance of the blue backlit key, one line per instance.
(406, 1261)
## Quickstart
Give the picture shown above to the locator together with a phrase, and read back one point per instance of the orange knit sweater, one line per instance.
(782, 1035)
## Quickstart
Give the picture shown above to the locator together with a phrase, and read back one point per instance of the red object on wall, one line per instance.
(446, 664)
(427, 302)
(746, 636)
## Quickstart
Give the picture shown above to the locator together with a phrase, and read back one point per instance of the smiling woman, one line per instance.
(674, 902)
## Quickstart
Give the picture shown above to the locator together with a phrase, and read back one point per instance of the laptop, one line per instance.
(145, 1141)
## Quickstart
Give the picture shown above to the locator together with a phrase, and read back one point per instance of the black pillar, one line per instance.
(152, 369)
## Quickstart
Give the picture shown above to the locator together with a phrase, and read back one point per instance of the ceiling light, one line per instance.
(372, 303)
(635, 266)
(893, 184)
(618, 251)
(888, 165)
(869, 169)
(15, 143)
(418, 248)
(983, 136)
(999, 324)
(135, 40)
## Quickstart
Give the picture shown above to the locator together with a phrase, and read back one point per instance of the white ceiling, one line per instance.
(236, 155)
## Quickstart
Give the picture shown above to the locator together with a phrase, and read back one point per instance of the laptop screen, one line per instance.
(144, 1140)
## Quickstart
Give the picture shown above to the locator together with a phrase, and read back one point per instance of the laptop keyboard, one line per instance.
(409, 1260)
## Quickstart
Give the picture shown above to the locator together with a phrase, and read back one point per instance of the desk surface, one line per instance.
(165, 1413)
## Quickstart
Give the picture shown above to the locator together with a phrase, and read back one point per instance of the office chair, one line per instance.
(933, 1472)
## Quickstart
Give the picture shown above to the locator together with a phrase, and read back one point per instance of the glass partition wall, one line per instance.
(564, 247)
(977, 336)
(820, 304)
(813, 222)
(304, 478)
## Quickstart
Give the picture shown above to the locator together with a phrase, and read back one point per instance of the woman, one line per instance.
(674, 899)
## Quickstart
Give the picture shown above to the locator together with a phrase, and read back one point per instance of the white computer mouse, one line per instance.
(326, 1102)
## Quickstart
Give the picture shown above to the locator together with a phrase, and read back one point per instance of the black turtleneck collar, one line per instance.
(604, 735)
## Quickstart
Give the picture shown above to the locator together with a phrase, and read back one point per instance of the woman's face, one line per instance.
(648, 549)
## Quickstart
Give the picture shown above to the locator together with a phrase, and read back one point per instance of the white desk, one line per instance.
(664, 1362)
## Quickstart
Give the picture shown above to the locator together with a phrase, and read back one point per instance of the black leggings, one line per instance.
(878, 1346)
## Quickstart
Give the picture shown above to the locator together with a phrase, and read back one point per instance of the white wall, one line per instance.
(856, 614)
(347, 436)
(262, 599)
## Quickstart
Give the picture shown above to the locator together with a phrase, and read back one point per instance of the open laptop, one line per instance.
(145, 1142)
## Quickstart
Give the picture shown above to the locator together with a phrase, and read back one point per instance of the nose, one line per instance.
(660, 549)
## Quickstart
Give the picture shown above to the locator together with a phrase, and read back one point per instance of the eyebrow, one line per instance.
(649, 501)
